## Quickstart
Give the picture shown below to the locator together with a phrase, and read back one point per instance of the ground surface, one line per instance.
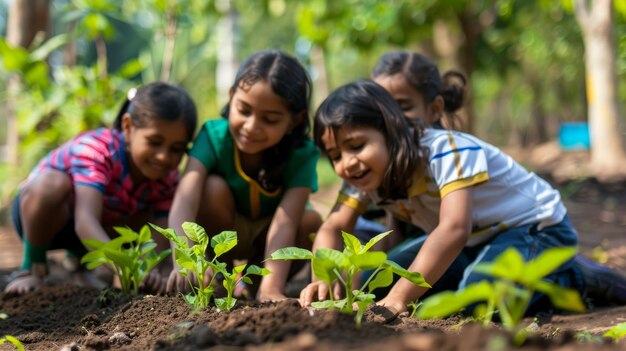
(75, 318)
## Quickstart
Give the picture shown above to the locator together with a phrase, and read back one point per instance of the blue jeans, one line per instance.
(527, 239)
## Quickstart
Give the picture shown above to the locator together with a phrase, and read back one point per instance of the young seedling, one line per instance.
(131, 256)
(193, 259)
(331, 265)
(616, 332)
(10, 338)
(514, 286)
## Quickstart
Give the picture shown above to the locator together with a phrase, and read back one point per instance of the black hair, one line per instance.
(364, 103)
(290, 81)
(159, 101)
(423, 75)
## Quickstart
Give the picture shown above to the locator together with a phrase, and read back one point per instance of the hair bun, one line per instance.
(131, 93)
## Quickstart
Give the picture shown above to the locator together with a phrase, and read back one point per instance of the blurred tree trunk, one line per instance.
(26, 19)
(472, 30)
(608, 159)
(320, 82)
(227, 63)
(448, 46)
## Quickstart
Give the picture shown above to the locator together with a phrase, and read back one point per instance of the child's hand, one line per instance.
(23, 284)
(154, 282)
(392, 304)
(318, 291)
(270, 296)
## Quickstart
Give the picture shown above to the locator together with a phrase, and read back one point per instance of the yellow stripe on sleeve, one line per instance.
(351, 202)
(464, 183)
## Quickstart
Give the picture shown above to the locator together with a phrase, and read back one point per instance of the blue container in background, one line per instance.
(574, 136)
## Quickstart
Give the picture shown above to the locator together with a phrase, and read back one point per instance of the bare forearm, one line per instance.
(434, 258)
(89, 228)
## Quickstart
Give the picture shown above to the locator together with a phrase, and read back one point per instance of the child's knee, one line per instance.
(49, 188)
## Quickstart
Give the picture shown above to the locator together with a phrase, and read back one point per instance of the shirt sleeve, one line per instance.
(351, 196)
(457, 162)
(90, 163)
(203, 150)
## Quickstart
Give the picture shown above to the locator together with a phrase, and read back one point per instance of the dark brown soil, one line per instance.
(69, 317)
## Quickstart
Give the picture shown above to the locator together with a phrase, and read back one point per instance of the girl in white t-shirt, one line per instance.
(473, 200)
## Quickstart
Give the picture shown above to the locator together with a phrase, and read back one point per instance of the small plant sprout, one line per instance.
(331, 265)
(193, 259)
(616, 332)
(9, 338)
(510, 293)
(131, 256)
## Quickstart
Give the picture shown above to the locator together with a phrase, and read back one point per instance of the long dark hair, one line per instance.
(364, 103)
(159, 101)
(423, 75)
(290, 81)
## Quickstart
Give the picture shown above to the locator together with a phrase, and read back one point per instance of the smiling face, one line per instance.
(258, 118)
(359, 155)
(411, 101)
(155, 149)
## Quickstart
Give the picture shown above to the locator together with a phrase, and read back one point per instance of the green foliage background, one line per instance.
(526, 58)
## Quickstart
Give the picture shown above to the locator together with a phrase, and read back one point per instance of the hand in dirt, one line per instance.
(23, 284)
(270, 296)
(154, 283)
(318, 291)
(388, 309)
(381, 314)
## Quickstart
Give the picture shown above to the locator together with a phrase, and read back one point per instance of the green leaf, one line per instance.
(93, 244)
(352, 243)
(15, 58)
(144, 234)
(292, 253)
(414, 277)
(326, 304)
(239, 268)
(13, 340)
(42, 52)
(131, 68)
(545, 263)
(183, 259)
(445, 303)
(368, 260)
(382, 279)
(168, 233)
(509, 265)
(324, 270)
(337, 258)
(225, 304)
(128, 235)
(147, 247)
(563, 298)
(195, 232)
(256, 270)
(92, 256)
(375, 240)
(616, 332)
(223, 242)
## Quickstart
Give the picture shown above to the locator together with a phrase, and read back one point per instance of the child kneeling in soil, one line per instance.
(252, 171)
(125, 176)
(473, 200)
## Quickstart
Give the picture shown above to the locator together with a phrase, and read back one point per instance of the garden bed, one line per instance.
(65, 316)
(75, 318)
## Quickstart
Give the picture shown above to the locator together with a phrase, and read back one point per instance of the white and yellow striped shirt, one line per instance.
(505, 194)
